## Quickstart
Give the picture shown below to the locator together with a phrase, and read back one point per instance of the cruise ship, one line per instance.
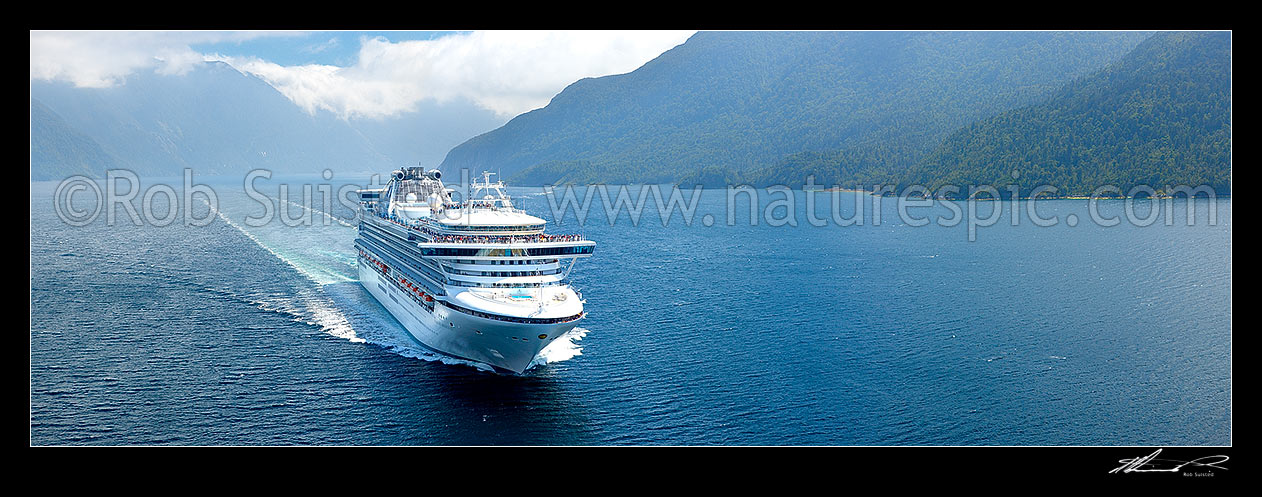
(476, 279)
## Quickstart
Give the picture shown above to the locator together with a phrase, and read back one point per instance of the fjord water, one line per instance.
(873, 334)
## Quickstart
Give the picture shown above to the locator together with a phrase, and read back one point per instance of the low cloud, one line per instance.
(101, 59)
(503, 71)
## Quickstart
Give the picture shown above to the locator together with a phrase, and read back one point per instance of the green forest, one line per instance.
(1160, 117)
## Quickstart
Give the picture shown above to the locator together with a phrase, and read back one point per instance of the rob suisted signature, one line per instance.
(1150, 464)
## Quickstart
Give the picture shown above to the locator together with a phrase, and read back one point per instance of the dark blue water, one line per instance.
(879, 334)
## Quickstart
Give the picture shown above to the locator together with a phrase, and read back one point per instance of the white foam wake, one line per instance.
(322, 213)
(424, 354)
(330, 278)
(318, 313)
(562, 349)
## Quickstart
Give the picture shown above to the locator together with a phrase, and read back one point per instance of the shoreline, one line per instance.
(1040, 197)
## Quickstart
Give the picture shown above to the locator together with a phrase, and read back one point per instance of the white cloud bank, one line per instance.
(503, 71)
(101, 59)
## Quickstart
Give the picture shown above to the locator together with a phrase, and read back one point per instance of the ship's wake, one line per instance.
(564, 348)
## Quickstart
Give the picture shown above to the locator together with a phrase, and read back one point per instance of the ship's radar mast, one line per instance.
(500, 199)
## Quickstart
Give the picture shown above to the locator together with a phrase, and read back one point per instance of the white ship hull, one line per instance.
(503, 345)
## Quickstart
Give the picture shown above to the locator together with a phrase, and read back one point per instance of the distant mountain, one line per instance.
(733, 104)
(58, 150)
(218, 121)
(213, 119)
(1160, 116)
(425, 135)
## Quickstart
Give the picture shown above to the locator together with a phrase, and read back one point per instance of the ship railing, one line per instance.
(513, 319)
(436, 237)
(535, 238)
(481, 204)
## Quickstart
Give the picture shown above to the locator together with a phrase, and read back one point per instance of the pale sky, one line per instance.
(362, 74)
